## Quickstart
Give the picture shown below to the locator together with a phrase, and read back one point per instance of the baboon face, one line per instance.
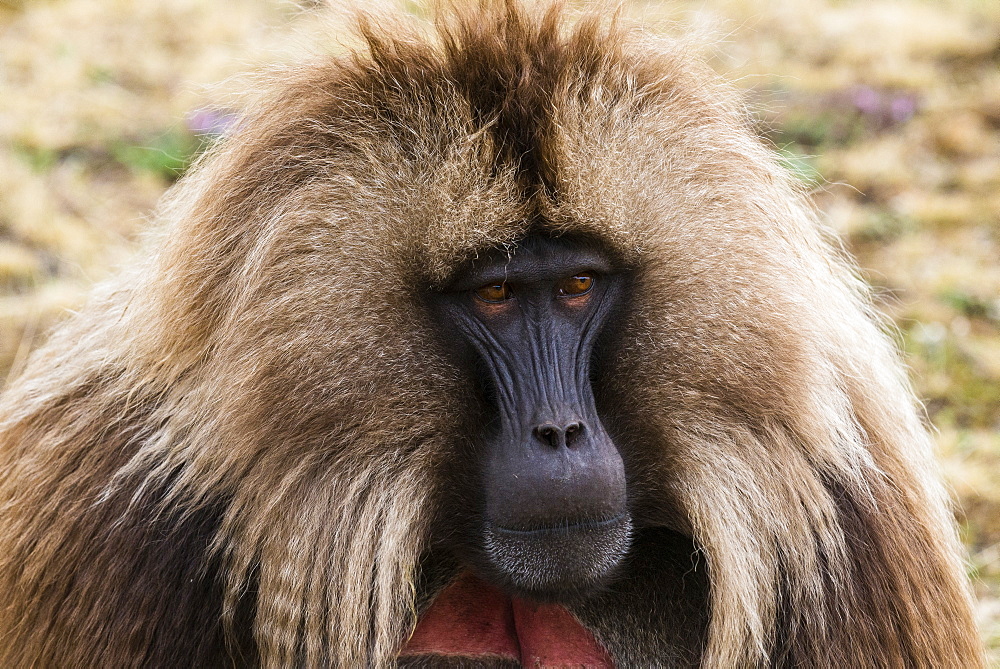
(550, 480)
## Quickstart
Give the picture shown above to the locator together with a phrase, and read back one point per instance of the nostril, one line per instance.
(573, 432)
(549, 434)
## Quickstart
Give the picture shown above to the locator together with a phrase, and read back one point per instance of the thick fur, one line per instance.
(237, 454)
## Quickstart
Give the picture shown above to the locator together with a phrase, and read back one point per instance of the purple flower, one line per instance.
(881, 108)
(216, 122)
(866, 99)
(902, 108)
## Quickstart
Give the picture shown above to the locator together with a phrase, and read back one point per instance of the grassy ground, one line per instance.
(889, 109)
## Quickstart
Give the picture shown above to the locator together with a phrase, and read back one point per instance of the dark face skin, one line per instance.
(552, 496)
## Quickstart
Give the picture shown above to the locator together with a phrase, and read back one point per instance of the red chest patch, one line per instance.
(471, 618)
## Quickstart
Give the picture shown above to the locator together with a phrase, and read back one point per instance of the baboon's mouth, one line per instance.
(471, 619)
(558, 564)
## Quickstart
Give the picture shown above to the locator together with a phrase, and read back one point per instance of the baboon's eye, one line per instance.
(578, 284)
(494, 292)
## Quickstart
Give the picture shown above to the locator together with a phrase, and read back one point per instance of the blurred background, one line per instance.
(888, 110)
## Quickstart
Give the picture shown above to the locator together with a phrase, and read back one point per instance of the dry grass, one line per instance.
(889, 108)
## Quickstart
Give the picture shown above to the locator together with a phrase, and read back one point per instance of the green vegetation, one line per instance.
(166, 155)
(888, 110)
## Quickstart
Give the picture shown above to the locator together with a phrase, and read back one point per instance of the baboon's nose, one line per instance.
(558, 435)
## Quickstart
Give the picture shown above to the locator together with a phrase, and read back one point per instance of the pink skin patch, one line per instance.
(473, 619)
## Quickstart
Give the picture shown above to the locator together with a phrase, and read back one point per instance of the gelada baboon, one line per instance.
(501, 343)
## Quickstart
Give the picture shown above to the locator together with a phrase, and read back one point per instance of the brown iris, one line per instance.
(578, 284)
(494, 292)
